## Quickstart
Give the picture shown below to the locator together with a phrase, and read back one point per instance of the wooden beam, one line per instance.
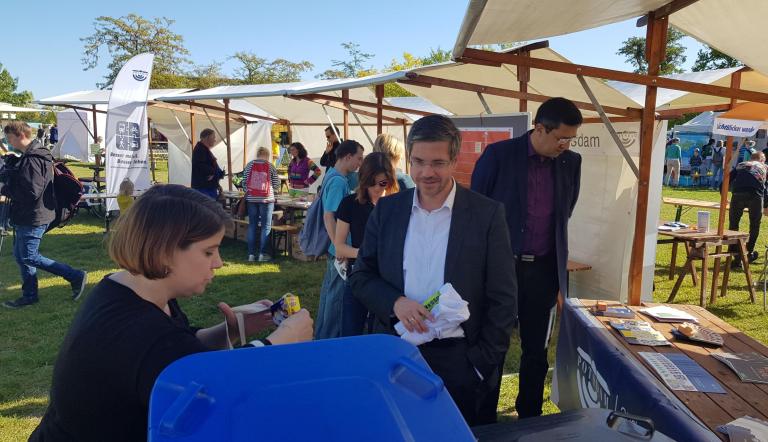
(95, 123)
(373, 105)
(611, 119)
(379, 110)
(472, 55)
(149, 150)
(229, 144)
(666, 10)
(523, 50)
(454, 84)
(398, 124)
(192, 132)
(71, 106)
(341, 106)
(655, 50)
(245, 146)
(667, 114)
(345, 97)
(735, 82)
(523, 77)
(220, 109)
(190, 110)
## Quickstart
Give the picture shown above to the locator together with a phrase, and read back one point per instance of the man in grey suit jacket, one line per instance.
(419, 239)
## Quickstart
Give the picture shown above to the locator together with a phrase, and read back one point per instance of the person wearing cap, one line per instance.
(673, 157)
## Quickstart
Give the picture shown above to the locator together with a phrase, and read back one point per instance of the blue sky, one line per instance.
(44, 51)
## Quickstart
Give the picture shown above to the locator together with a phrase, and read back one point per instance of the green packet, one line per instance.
(432, 301)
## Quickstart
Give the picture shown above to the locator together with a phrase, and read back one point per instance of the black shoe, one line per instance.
(21, 302)
(78, 286)
(752, 257)
(736, 264)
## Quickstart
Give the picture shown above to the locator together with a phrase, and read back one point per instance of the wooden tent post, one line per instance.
(191, 128)
(523, 76)
(407, 157)
(149, 150)
(95, 124)
(655, 52)
(229, 148)
(735, 83)
(345, 97)
(379, 109)
(245, 145)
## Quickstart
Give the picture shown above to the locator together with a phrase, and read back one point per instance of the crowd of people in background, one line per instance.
(705, 164)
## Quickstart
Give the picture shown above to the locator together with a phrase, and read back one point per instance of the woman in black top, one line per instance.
(131, 327)
(377, 179)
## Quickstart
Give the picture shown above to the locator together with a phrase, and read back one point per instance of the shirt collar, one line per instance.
(532, 152)
(447, 203)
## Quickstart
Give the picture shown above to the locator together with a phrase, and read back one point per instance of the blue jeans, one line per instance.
(717, 175)
(259, 213)
(353, 314)
(328, 320)
(25, 250)
(213, 193)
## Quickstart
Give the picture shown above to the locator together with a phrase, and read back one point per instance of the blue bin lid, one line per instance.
(363, 388)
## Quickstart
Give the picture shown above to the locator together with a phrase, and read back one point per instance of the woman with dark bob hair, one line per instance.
(131, 327)
(302, 171)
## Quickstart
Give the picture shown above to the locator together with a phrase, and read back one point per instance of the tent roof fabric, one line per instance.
(747, 111)
(7, 107)
(737, 32)
(99, 96)
(552, 84)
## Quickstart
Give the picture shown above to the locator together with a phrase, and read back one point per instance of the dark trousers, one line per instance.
(536, 298)
(353, 314)
(448, 359)
(751, 201)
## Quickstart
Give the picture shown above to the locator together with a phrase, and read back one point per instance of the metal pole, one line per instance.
(229, 150)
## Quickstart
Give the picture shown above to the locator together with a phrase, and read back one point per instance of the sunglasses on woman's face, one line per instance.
(384, 183)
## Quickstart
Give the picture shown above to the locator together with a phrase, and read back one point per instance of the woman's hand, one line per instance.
(254, 322)
(295, 328)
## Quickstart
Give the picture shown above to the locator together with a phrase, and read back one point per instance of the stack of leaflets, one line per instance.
(639, 333)
(750, 367)
(693, 332)
(662, 313)
(672, 226)
(680, 372)
(615, 311)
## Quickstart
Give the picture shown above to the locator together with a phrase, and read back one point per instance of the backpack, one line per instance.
(68, 191)
(717, 156)
(313, 238)
(259, 182)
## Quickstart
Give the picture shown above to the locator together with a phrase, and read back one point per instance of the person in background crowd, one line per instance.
(746, 149)
(673, 156)
(349, 156)
(748, 191)
(41, 135)
(537, 177)
(718, 157)
(331, 143)
(377, 179)
(131, 326)
(206, 172)
(706, 156)
(419, 239)
(299, 168)
(393, 148)
(125, 195)
(696, 167)
(54, 134)
(33, 205)
(261, 186)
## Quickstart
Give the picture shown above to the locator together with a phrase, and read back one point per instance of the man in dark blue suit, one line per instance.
(419, 239)
(537, 177)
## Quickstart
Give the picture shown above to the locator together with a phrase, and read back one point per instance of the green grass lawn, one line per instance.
(30, 337)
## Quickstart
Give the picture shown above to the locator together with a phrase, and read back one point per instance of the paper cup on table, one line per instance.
(703, 221)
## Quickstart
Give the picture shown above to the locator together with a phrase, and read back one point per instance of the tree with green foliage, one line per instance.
(351, 67)
(256, 70)
(125, 37)
(710, 58)
(8, 89)
(633, 49)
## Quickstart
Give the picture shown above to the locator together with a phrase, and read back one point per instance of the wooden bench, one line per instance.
(284, 232)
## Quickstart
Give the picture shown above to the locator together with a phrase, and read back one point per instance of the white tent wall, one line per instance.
(605, 211)
(74, 137)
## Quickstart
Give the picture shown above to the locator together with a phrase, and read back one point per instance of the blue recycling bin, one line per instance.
(364, 388)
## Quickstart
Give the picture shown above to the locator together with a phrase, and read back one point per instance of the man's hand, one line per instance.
(328, 146)
(295, 328)
(412, 314)
(254, 322)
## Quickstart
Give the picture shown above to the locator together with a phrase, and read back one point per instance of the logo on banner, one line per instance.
(627, 137)
(140, 75)
(128, 136)
(593, 391)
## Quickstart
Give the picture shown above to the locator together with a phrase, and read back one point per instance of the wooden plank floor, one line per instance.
(741, 398)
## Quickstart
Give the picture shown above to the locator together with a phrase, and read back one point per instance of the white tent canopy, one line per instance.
(9, 108)
(731, 27)
(548, 83)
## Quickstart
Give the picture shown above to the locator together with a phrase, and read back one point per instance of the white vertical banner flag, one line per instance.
(126, 133)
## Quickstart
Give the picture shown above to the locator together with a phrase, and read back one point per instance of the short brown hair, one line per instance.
(435, 128)
(17, 128)
(167, 217)
(374, 164)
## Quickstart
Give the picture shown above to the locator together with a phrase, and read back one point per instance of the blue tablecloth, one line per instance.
(594, 370)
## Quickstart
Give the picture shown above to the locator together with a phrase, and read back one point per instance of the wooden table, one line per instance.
(741, 399)
(683, 205)
(697, 245)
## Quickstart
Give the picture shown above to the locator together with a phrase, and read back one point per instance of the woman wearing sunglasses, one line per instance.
(377, 179)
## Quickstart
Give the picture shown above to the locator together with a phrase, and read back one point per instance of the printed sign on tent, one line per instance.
(127, 139)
